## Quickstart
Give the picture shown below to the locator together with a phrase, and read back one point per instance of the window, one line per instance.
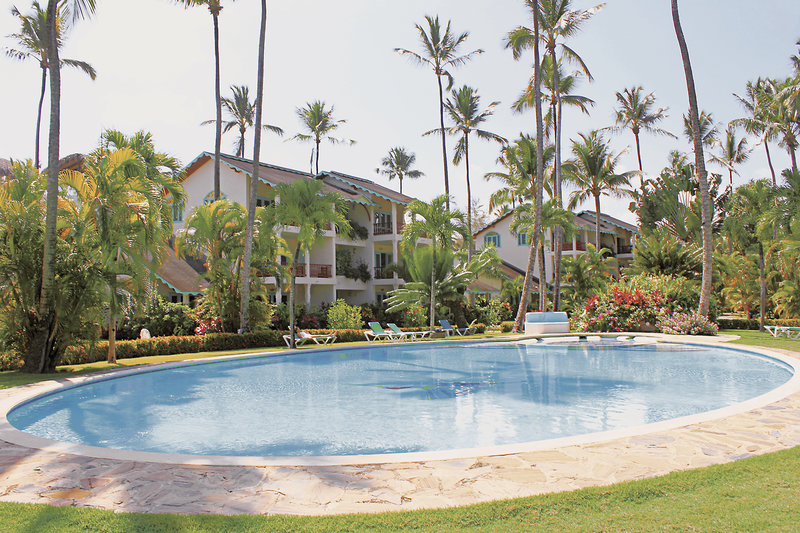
(210, 197)
(177, 213)
(523, 240)
(382, 260)
(493, 239)
(383, 223)
(262, 201)
(175, 298)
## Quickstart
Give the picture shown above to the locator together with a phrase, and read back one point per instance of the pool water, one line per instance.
(398, 398)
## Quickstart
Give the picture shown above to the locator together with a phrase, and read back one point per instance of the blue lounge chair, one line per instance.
(451, 330)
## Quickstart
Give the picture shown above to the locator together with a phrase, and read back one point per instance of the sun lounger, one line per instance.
(303, 337)
(411, 335)
(377, 333)
(788, 331)
(451, 330)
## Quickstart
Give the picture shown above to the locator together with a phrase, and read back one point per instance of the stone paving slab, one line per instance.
(30, 475)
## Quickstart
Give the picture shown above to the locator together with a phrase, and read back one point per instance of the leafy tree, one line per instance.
(732, 152)
(593, 174)
(241, 115)
(464, 112)
(399, 164)
(438, 224)
(33, 43)
(709, 131)
(636, 113)
(215, 8)
(318, 122)
(587, 274)
(757, 102)
(440, 52)
(519, 180)
(700, 165)
(303, 204)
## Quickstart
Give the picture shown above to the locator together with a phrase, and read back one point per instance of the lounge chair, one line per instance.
(411, 335)
(303, 337)
(451, 330)
(788, 331)
(377, 333)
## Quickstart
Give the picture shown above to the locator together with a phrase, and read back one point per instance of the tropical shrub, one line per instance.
(342, 315)
(506, 327)
(414, 316)
(622, 309)
(160, 318)
(686, 324)
(754, 323)
(661, 253)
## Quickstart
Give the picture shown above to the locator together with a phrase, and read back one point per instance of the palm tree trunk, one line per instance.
(763, 287)
(469, 194)
(730, 176)
(558, 234)
(639, 158)
(597, 222)
(292, 328)
(401, 184)
(444, 143)
(542, 279)
(769, 161)
(705, 290)
(218, 133)
(433, 284)
(39, 116)
(244, 307)
(112, 320)
(793, 156)
(241, 143)
(316, 172)
(537, 220)
(45, 310)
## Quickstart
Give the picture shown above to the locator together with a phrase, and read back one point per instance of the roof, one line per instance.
(274, 175)
(179, 275)
(371, 187)
(608, 224)
(499, 219)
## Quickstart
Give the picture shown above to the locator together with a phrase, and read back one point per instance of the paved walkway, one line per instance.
(37, 476)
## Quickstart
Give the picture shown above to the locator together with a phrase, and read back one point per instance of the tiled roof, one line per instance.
(371, 187)
(179, 275)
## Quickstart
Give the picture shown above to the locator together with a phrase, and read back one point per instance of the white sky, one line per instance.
(155, 72)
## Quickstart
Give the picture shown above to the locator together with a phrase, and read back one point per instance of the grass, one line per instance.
(756, 494)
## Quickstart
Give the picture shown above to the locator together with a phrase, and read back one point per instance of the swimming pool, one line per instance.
(398, 398)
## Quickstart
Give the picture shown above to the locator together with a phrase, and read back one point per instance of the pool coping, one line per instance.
(24, 393)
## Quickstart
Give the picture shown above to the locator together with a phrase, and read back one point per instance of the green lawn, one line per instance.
(756, 494)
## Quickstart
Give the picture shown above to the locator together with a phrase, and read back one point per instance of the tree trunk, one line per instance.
(597, 222)
(769, 161)
(42, 332)
(316, 158)
(542, 279)
(218, 133)
(444, 143)
(763, 288)
(433, 283)
(469, 194)
(705, 290)
(639, 158)
(537, 220)
(39, 116)
(112, 320)
(558, 233)
(242, 131)
(244, 307)
(292, 327)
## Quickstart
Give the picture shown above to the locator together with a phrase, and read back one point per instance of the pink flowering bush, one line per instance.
(686, 324)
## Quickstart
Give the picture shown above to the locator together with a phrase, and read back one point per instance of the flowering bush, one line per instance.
(208, 325)
(414, 316)
(341, 315)
(686, 324)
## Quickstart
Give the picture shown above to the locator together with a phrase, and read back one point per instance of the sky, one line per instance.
(155, 68)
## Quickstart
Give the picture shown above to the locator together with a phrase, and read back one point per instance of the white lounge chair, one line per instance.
(788, 331)
(377, 333)
(411, 335)
(303, 337)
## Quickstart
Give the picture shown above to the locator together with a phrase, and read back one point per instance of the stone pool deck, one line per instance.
(40, 476)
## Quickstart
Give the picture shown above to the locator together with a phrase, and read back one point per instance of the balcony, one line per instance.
(624, 249)
(382, 229)
(315, 270)
(383, 273)
(580, 246)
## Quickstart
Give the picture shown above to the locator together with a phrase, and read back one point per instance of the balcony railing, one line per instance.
(624, 249)
(315, 270)
(579, 246)
(382, 229)
(383, 273)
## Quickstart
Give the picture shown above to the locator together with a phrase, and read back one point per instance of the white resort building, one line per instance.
(376, 214)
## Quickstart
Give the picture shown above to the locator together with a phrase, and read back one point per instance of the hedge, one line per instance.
(754, 323)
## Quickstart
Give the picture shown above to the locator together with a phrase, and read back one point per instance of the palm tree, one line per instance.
(700, 164)
(32, 40)
(636, 113)
(440, 52)
(439, 224)
(214, 7)
(758, 101)
(303, 204)
(244, 304)
(709, 131)
(41, 343)
(732, 152)
(558, 23)
(398, 165)
(519, 180)
(241, 113)
(318, 122)
(593, 175)
(466, 117)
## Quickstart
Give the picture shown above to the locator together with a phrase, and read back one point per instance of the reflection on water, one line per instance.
(398, 398)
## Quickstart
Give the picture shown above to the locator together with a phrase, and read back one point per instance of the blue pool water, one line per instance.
(398, 398)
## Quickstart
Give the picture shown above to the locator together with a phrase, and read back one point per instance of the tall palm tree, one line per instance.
(41, 343)
(214, 7)
(318, 122)
(398, 164)
(440, 52)
(519, 182)
(732, 152)
(533, 6)
(558, 23)
(241, 114)
(757, 102)
(438, 224)
(593, 174)
(32, 39)
(244, 304)
(700, 164)
(303, 204)
(636, 113)
(463, 108)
